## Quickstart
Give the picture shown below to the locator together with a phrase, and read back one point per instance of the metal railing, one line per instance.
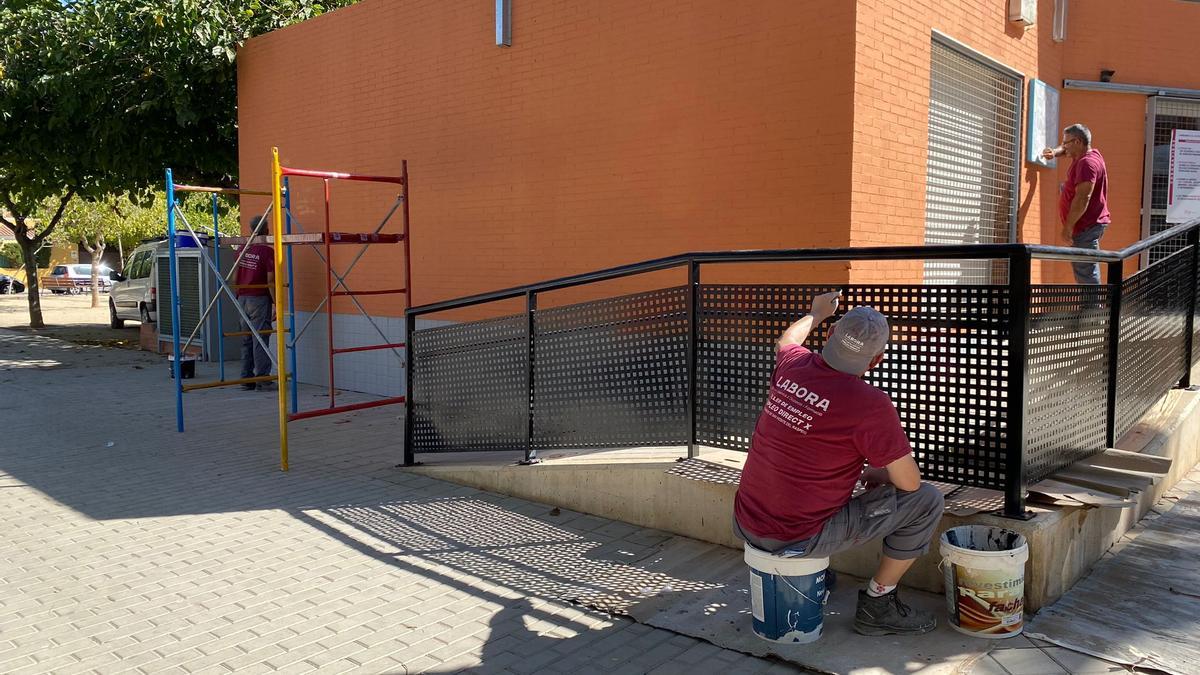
(997, 385)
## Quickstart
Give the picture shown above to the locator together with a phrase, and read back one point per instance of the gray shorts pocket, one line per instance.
(878, 501)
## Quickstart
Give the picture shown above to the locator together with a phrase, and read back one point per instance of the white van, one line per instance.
(133, 295)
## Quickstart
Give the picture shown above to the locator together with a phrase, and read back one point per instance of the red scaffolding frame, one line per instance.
(336, 284)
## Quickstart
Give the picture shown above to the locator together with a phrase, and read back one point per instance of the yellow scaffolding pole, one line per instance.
(280, 341)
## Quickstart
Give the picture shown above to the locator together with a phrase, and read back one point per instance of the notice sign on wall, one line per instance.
(1183, 183)
(1042, 125)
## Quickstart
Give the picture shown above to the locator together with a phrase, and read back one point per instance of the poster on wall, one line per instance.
(1042, 124)
(1183, 182)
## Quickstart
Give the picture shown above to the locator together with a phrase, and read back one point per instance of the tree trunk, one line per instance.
(120, 256)
(97, 253)
(33, 285)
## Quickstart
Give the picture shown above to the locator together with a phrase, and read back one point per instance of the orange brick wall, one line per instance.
(608, 133)
(1151, 42)
(891, 115)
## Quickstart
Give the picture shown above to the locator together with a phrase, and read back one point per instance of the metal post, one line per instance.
(693, 357)
(1116, 273)
(280, 340)
(220, 331)
(1193, 240)
(410, 321)
(291, 334)
(530, 310)
(407, 236)
(329, 294)
(1018, 384)
(173, 264)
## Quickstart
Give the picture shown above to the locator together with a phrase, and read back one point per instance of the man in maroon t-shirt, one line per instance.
(821, 423)
(255, 292)
(1083, 202)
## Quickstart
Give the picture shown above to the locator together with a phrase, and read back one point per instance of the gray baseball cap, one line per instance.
(858, 337)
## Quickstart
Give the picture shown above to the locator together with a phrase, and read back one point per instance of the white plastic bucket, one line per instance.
(787, 596)
(984, 568)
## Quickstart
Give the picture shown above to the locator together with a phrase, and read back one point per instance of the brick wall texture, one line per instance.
(621, 131)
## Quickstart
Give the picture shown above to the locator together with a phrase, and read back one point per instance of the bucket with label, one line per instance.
(984, 568)
(787, 596)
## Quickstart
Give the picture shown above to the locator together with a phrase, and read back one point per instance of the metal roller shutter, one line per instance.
(971, 176)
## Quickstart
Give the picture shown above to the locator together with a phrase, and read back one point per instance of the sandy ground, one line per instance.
(70, 318)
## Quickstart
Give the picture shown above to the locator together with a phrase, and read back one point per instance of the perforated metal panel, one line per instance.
(946, 368)
(1168, 114)
(1154, 307)
(469, 386)
(1067, 356)
(612, 372)
(970, 194)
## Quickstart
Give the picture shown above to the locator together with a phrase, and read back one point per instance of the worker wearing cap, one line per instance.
(822, 429)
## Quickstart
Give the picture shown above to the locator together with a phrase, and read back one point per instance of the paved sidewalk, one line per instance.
(128, 547)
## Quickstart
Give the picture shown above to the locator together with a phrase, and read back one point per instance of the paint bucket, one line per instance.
(787, 596)
(984, 569)
(187, 366)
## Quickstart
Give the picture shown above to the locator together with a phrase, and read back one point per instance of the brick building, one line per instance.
(614, 132)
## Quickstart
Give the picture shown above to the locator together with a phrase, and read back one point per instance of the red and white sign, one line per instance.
(1183, 182)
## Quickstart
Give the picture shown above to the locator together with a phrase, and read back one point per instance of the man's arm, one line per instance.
(904, 474)
(1083, 195)
(271, 285)
(823, 307)
(1050, 153)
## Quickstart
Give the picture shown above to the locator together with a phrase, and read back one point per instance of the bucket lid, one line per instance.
(769, 563)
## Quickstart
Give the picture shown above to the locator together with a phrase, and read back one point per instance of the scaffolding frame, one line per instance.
(284, 359)
(212, 266)
(322, 243)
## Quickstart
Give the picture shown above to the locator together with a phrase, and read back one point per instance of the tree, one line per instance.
(97, 96)
(120, 221)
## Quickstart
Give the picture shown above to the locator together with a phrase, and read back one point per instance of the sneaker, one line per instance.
(266, 386)
(248, 386)
(887, 615)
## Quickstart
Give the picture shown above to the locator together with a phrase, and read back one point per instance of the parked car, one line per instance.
(133, 296)
(75, 279)
(9, 285)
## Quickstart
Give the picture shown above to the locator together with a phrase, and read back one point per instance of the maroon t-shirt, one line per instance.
(253, 269)
(1089, 168)
(817, 428)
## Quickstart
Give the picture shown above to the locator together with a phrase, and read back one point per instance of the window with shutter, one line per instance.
(974, 151)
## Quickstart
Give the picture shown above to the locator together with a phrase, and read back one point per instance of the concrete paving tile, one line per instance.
(1031, 661)
(987, 666)
(1075, 662)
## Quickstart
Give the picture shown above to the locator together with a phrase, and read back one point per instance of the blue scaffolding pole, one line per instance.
(291, 334)
(174, 273)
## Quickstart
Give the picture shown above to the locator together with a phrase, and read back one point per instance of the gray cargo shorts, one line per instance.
(905, 520)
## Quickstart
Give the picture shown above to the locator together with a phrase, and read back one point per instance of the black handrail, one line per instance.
(1020, 291)
(937, 252)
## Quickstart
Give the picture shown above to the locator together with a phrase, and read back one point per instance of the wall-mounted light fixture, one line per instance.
(503, 23)
(1106, 75)
(1060, 21)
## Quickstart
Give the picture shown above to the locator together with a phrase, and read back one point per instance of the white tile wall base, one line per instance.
(379, 372)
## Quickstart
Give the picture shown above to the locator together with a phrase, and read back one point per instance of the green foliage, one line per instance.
(98, 96)
(10, 254)
(110, 220)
